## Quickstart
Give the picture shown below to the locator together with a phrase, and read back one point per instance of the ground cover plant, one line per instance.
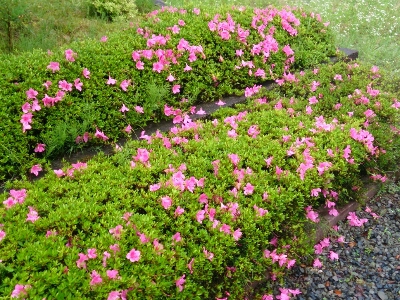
(370, 26)
(208, 208)
(59, 101)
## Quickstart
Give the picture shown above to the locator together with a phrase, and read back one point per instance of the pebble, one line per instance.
(368, 268)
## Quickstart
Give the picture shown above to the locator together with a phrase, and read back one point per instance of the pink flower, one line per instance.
(100, 135)
(106, 256)
(128, 129)
(70, 55)
(26, 107)
(59, 172)
(39, 148)
(36, 169)
(103, 39)
(86, 73)
(20, 290)
(312, 215)
(170, 78)
(237, 234)
(200, 216)
(180, 282)
(31, 94)
(95, 278)
(288, 51)
(225, 228)
(190, 265)
(333, 255)
(166, 202)
(65, 86)
(178, 211)
(115, 248)
(338, 77)
(187, 68)
(176, 89)
(54, 66)
(201, 112)
(78, 84)
(112, 274)
(33, 215)
(2, 235)
(114, 295)
(123, 108)
(317, 263)
(340, 239)
(196, 11)
(158, 247)
(124, 85)
(92, 253)
(232, 133)
(355, 221)
(139, 109)
(133, 255)
(208, 255)
(81, 262)
(111, 81)
(154, 187)
(158, 67)
(50, 233)
(177, 237)
(248, 189)
(139, 65)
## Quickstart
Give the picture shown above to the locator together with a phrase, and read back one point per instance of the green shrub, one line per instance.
(114, 10)
(46, 237)
(216, 71)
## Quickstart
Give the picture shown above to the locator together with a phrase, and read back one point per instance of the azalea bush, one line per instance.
(95, 91)
(209, 208)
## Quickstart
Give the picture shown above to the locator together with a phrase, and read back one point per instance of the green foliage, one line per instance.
(145, 6)
(214, 74)
(14, 18)
(115, 10)
(192, 166)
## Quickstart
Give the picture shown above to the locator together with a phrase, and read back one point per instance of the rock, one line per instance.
(382, 295)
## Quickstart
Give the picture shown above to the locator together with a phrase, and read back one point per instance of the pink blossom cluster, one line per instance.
(70, 172)
(282, 259)
(354, 220)
(20, 290)
(228, 27)
(321, 124)
(364, 137)
(64, 86)
(33, 215)
(179, 181)
(70, 55)
(311, 214)
(16, 196)
(307, 164)
(84, 138)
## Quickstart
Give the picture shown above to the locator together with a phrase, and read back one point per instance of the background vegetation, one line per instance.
(370, 26)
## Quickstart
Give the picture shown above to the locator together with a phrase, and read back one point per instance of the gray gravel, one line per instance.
(369, 260)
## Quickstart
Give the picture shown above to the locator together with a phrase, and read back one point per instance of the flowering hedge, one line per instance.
(208, 208)
(55, 102)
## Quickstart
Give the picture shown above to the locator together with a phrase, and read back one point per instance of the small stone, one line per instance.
(382, 295)
(321, 286)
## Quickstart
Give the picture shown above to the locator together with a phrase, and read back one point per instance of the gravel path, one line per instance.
(369, 259)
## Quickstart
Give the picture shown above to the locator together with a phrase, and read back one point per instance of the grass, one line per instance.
(47, 24)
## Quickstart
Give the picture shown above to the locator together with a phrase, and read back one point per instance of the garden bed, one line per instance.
(208, 208)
